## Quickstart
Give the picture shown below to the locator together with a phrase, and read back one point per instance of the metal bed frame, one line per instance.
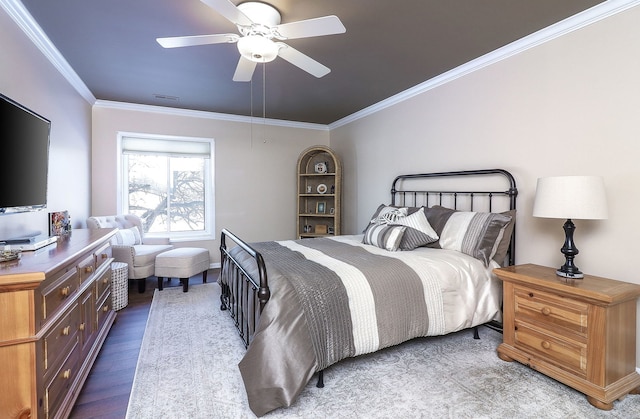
(245, 294)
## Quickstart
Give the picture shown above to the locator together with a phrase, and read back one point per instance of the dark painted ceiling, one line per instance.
(389, 46)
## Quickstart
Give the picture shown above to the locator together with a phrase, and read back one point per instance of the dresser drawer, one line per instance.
(103, 284)
(59, 291)
(550, 311)
(103, 308)
(58, 386)
(568, 354)
(60, 337)
(87, 267)
(102, 255)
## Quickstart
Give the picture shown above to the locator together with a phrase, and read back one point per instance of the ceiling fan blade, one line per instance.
(303, 61)
(327, 25)
(244, 70)
(189, 41)
(229, 11)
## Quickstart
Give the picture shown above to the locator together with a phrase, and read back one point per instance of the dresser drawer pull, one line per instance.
(88, 269)
(65, 291)
(67, 374)
(81, 327)
(66, 330)
(105, 308)
(105, 280)
(104, 255)
(545, 344)
(546, 311)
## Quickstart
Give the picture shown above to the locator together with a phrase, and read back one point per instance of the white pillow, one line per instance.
(476, 234)
(419, 232)
(128, 236)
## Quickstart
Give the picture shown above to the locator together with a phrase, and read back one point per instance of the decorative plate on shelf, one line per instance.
(321, 167)
(322, 188)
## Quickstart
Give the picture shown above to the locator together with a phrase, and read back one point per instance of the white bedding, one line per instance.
(458, 292)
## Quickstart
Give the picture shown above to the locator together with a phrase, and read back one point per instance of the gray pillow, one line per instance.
(478, 234)
(384, 236)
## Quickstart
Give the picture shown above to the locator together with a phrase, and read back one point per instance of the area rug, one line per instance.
(188, 368)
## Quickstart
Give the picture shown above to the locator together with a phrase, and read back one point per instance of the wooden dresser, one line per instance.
(55, 313)
(579, 332)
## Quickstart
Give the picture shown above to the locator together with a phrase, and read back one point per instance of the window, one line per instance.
(168, 183)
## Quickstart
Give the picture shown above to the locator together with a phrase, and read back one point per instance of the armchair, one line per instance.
(131, 247)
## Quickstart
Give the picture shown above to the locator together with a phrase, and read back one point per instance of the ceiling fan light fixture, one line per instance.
(257, 48)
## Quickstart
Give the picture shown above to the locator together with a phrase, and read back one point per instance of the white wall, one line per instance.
(27, 77)
(255, 185)
(567, 107)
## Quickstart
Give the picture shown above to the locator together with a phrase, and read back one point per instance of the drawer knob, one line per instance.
(67, 374)
(81, 326)
(105, 280)
(546, 311)
(105, 308)
(545, 344)
(66, 330)
(65, 291)
(88, 269)
(104, 255)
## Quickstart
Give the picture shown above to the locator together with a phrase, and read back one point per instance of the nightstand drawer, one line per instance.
(550, 311)
(565, 353)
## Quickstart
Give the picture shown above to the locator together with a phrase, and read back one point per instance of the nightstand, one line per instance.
(579, 332)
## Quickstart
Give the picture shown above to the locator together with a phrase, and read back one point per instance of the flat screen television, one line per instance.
(24, 158)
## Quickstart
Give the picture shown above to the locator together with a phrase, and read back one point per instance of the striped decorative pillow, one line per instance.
(384, 236)
(419, 232)
(476, 234)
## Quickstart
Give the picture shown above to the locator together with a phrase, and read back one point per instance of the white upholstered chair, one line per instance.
(130, 246)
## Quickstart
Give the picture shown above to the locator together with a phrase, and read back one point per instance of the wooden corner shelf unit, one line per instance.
(319, 193)
(581, 332)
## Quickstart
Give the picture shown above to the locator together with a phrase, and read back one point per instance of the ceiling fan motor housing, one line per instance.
(256, 44)
(261, 13)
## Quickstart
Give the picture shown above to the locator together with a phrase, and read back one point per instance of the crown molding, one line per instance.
(208, 115)
(16, 10)
(575, 22)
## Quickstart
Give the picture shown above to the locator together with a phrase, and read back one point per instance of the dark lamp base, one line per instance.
(569, 250)
(572, 275)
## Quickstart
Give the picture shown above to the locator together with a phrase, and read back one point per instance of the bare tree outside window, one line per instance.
(167, 192)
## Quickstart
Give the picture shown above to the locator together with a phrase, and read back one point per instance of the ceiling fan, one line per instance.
(259, 24)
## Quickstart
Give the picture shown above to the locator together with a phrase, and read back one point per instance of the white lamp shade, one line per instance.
(257, 48)
(571, 197)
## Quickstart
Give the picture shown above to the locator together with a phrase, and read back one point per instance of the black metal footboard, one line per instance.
(243, 279)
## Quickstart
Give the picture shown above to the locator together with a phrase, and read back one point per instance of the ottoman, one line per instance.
(182, 263)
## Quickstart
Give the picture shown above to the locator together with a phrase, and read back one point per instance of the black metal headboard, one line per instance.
(481, 195)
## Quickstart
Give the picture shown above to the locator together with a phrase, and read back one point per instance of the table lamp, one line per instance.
(570, 198)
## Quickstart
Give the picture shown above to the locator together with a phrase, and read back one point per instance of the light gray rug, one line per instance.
(188, 369)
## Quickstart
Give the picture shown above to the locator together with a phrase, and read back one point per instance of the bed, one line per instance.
(422, 266)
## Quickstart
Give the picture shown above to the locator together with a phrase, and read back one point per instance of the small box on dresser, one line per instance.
(580, 332)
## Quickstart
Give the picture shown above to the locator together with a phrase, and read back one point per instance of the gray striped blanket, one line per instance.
(334, 298)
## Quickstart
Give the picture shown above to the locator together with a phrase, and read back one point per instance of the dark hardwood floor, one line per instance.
(106, 392)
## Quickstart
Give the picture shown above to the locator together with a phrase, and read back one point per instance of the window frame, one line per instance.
(209, 195)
